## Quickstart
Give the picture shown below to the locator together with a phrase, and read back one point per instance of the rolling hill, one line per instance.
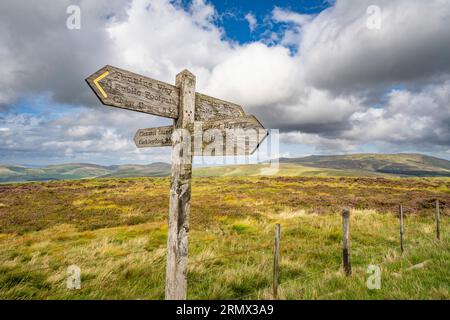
(157, 169)
(396, 164)
(14, 173)
(417, 165)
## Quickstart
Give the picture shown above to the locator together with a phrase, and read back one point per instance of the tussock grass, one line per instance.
(115, 231)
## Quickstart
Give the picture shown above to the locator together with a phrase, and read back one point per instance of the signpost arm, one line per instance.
(180, 191)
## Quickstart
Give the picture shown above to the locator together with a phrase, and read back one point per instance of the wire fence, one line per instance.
(158, 264)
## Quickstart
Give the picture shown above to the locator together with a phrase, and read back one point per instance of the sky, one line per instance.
(334, 77)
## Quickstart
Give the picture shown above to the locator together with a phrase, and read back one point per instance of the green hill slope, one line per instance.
(340, 165)
(80, 171)
(53, 172)
(284, 169)
(157, 169)
(397, 164)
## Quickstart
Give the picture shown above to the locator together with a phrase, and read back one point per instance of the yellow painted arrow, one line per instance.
(98, 85)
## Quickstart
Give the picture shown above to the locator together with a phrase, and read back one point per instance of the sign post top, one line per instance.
(186, 73)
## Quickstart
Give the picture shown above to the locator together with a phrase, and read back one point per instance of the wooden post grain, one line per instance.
(180, 192)
(401, 227)
(346, 242)
(276, 251)
(438, 221)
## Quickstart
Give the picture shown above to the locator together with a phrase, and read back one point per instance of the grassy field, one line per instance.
(115, 230)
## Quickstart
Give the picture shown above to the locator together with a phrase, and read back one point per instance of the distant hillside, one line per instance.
(402, 164)
(13, 173)
(157, 169)
(283, 169)
(417, 165)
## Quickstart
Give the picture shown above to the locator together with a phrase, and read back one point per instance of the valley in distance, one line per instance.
(407, 165)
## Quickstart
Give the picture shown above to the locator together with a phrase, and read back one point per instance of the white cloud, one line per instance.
(339, 53)
(330, 92)
(84, 134)
(291, 35)
(255, 75)
(38, 53)
(420, 118)
(315, 111)
(160, 39)
(318, 142)
(252, 21)
(282, 15)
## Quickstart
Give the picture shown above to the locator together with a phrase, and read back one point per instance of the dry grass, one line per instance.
(115, 231)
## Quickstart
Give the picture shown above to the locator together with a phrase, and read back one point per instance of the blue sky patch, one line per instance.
(232, 15)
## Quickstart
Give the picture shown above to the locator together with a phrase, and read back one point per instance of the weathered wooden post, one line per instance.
(276, 251)
(401, 227)
(346, 242)
(438, 221)
(180, 191)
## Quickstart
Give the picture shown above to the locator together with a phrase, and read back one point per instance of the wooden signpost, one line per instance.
(203, 125)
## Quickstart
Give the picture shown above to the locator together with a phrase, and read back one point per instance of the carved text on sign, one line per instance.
(123, 89)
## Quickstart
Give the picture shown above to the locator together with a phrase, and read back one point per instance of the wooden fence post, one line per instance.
(180, 192)
(401, 227)
(438, 221)
(346, 242)
(276, 251)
